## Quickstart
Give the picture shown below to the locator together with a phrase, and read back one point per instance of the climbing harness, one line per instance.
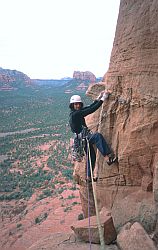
(100, 229)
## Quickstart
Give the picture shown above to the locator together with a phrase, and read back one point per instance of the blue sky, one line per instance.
(49, 39)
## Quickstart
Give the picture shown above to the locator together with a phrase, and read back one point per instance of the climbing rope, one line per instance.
(101, 236)
(89, 222)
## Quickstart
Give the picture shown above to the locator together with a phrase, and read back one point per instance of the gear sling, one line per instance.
(79, 145)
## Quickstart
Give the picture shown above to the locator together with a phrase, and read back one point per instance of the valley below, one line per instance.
(37, 193)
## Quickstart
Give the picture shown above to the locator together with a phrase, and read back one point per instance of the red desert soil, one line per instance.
(26, 222)
(22, 230)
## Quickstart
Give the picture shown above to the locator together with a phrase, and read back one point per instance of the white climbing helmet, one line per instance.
(75, 98)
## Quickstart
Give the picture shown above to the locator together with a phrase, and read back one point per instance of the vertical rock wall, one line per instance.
(130, 122)
(132, 125)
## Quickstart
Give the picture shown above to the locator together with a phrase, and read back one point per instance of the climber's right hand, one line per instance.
(100, 95)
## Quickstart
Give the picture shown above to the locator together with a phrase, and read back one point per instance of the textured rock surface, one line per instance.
(81, 228)
(85, 189)
(87, 75)
(132, 122)
(155, 192)
(63, 241)
(130, 116)
(134, 237)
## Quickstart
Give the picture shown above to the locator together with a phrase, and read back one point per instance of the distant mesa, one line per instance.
(84, 76)
(81, 81)
(12, 79)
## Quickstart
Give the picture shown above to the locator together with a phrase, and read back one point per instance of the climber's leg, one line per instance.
(103, 147)
(100, 143)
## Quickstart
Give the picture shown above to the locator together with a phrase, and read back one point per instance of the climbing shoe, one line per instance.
(112, 160)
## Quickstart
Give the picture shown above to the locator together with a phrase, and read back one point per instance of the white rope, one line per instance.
(100, 229)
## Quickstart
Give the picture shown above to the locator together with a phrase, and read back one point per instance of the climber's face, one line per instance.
(77, 105)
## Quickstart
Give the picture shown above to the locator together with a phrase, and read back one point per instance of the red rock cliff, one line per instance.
(11, 78)
(131, 123)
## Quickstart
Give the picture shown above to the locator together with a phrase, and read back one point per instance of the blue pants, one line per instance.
(101, 144)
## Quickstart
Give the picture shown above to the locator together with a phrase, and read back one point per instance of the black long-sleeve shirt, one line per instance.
(77, 120)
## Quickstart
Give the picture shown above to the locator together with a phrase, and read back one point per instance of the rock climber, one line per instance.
(78, 125)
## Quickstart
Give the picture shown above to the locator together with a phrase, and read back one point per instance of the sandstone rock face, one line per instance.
(62, 241)
(130, 116)
(87, 75)
(87, 229)
(85, 190)
(134, 237)
(132, 123)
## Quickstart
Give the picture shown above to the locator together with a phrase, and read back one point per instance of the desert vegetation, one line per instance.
(34, 142)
